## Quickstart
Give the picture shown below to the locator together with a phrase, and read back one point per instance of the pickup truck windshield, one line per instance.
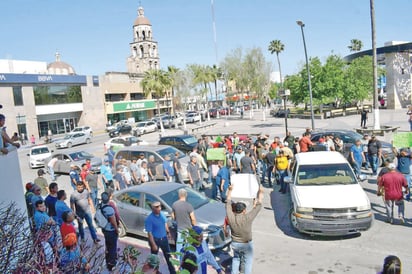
(332, 174)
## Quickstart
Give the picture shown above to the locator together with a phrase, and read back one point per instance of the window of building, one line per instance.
(114, 97)
(137, 96)
(49, 95)
(18, 96)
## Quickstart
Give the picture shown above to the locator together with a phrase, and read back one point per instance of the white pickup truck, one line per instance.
(327, 198)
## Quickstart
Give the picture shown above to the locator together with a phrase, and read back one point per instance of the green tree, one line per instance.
(331, 86)
(216, 74)
(276, 46)
(173, 74)
(358, 80)
(355, 45)
(155, 83)
(202, 77)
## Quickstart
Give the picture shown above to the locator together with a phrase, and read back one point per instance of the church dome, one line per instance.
(141, 19)
(59, 67)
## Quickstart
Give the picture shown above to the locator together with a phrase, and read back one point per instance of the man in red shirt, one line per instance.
(393, 182)
(305, 142)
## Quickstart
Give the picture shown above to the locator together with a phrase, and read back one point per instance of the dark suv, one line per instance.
(349, 137)
(122, 129)
(185, 143)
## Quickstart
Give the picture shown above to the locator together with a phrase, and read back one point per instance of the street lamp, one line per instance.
(312, 118)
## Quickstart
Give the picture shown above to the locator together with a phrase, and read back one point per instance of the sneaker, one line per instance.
(402, 220)
(96, 241)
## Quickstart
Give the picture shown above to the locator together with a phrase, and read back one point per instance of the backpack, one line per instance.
(99, 218)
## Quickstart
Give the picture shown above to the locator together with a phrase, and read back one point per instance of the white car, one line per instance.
(144, 127)
(86, 129)
(73, 139)
(193, 117)
(37, 155)
(327, 198)
(122, 141)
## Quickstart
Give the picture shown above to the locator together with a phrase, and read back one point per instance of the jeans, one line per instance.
(357, 167)
(110, 239)
(242, 252)
(51, 171)
(282, 174)
(373, 161)
(163, 244)
(389, 204)
(223, 194)
(89, 221)
(263, 168)
(93, 195)
(367, 158)
(179, 244)
(197, 184)
(269, 174)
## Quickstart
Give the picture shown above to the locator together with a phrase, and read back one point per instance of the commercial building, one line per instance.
(38, 97)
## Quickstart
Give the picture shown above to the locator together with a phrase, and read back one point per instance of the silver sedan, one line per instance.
(134, 206)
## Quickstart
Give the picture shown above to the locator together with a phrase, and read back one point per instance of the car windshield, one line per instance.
(77, 129)
(334, 174)
(194, 198)
(141, 124)
(133, 139)
(40, 150)
(68, 136)
(171, 151)
(190, 140)
(80, 155)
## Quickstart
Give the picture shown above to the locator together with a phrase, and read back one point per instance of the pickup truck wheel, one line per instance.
(293, 220)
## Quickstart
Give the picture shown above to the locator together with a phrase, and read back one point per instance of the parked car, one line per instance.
(37, 155)
(159, 152)
(73, 139)
(327, 198)
(349, 137)
(213, 112)
(124, 141)
(134, 204)
(85, 129)
(110, 127)
(77, 158)
(193, 117)
(279, 112)
(185, 143)
(224, 111)
(121, 129)
(169, 121)
(144, 127)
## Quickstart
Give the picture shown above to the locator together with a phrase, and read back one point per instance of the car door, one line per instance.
(131, 211)
(59, 166)
(80, 138)
(151, 126)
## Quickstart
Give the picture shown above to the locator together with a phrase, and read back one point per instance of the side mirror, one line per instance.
(288, 179)
(28, 154)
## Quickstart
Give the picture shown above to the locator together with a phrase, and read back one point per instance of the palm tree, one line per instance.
(276, 46)
(216, 74)
(172, 73)
(155, 83)
(355, 45)
(202, 77)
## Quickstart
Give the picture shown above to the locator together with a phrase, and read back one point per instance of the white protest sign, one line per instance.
(245, 186)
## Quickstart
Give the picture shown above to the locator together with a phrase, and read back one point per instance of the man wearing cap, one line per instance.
(152, 264)
(240, 223)
(158, 233)
(374, 154)
(107, 174)
(237, 156)
(42, 182)
(74, 176)
(204, 256)
(110, 231)
(393, 182)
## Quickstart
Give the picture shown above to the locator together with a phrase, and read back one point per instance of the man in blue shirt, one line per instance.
(61, 206)
(74, 176)
(40, 216)
(107, 175)
(168, 170)
(159, 234)
(110, 232)
(222, 180)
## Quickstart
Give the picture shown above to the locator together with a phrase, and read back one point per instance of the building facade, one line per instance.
(38, 97)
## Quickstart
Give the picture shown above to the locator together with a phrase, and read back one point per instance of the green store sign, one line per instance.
(130, 106)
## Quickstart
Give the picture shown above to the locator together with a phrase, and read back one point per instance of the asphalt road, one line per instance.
(277, 247)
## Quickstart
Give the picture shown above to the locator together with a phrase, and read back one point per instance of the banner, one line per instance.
(402, 139)
(244, 185)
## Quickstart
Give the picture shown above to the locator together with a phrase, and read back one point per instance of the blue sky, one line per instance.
(94, 35)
